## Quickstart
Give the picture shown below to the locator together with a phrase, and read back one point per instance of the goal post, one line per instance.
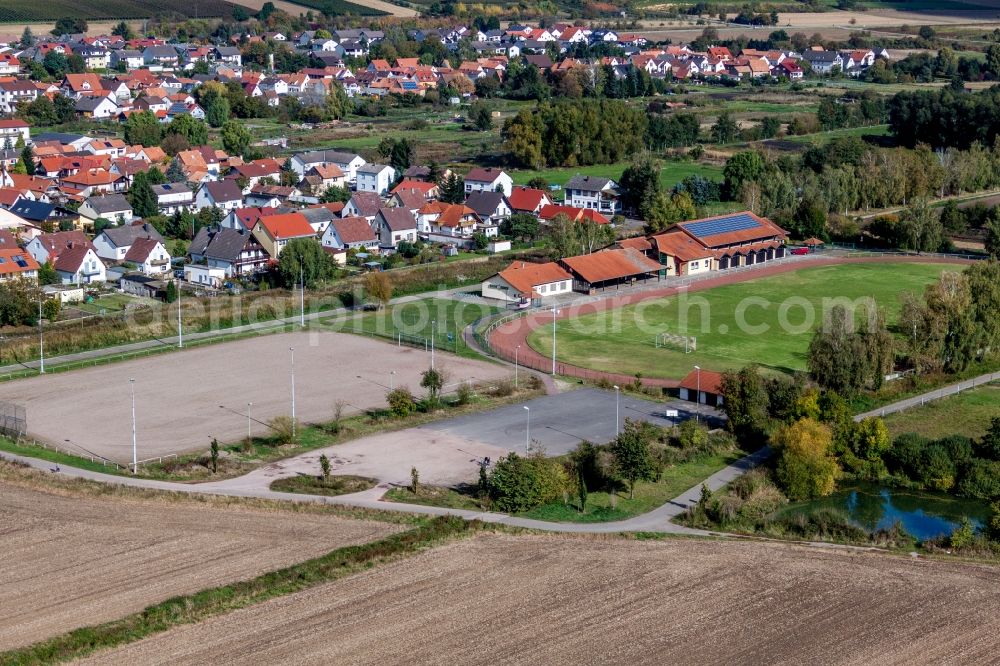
(685, 343)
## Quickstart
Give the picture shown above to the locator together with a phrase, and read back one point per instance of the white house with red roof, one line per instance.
(524, 199)
(524, 280)
(350, 233)
(275, 231)
(13, 129)
(80, 265)
(149, 256)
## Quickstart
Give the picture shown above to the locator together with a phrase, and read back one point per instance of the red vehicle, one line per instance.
(800, 250)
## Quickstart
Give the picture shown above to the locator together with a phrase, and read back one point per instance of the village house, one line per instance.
(375, 178)
(173, 197)
(113, 243)
(599, 194)
(224, 194)
(362, 204)
(274, 231)
(488, 179)
(394, 225)
(16, 264)
(235, 252)
(114, 207)
(149, 256)
(79, 264)
(491, 207)
(528, 200)
(348, 163)
(350, 233)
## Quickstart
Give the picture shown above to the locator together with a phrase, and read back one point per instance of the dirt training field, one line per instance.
(546, 600)
(72, 560)
(178, 394)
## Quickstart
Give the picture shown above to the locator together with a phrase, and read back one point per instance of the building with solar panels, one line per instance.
(719, 243)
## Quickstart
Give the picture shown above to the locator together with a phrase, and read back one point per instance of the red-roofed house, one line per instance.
(274, 231)
(528, 200)
(80, 264)
(17, 264)
(149, 256)
(549, 212)
(14, 129)
(488, 179)
(527, 281)
(350, 233)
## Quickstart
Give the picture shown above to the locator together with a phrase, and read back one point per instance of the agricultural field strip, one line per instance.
(561, 600)
(72, 560)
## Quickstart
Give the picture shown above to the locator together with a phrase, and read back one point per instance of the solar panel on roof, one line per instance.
(722, 225)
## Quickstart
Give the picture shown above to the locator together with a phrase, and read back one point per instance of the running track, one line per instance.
(506, 338)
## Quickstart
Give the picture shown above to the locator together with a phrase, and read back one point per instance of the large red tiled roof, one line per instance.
(525, 276)
(611, 265)
(289, 225)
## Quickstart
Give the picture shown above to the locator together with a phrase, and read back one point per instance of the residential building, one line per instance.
(491, 207)
(600, 194)
(46, 248)
(224, 194)
(149, 256)
(173, 197)
(528, 200)
(362, 204)
(80, 264)
(375, 178)
(114, 243)
(17, 264)
(114, 207)
(394, 225)
(274, 231)
(234, 252)
(348, 163)
(347, 233)
(12, 130)
(488, 179)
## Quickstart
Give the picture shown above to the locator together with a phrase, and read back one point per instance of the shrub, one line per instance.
(692, 435)
(502, 388)
(401, 402)
(964, 535)
(464, 394)
(981, 480)
(283, 428)
(519, 484)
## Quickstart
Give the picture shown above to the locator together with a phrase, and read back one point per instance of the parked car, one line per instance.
(800, 250)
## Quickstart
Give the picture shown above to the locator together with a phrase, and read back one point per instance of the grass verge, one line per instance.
(192, 608)
(316, 485)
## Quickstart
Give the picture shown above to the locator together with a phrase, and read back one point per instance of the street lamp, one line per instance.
(697, 394)
(554, 313)
(527, 431)
(392, 377)
(433, 327)
(135, 459)
(292, 349)
(249, 406)
(516, 350)
(617, 420)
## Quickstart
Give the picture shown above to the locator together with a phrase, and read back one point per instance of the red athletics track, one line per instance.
(506, 338)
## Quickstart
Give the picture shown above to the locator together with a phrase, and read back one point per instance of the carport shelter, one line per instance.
(610, 268)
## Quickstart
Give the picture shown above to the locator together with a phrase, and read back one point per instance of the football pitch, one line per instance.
(768, 321)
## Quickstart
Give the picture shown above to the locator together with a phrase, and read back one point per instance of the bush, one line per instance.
(502, 388)
(401, 402)
(518, 484)
(981, 480)
(464, 394)
(283, 428)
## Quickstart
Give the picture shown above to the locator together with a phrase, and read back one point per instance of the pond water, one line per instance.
(924, 515)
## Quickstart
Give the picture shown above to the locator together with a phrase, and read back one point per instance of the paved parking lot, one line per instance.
(560, 422)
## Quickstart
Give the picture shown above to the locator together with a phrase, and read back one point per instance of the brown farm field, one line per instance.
(178, 395)
(73, 558)
(547, 600)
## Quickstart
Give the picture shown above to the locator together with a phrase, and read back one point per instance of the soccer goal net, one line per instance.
(685, 343)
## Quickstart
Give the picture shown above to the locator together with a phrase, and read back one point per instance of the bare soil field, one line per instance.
(71, 559)
(549, 600)
(178, 395)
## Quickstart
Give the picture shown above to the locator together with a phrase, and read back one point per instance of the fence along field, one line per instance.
(17, 11)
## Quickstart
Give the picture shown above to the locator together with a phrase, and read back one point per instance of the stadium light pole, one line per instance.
(180, 326)
(516, 350)
(292, 349)
(135, 458)
(555, 311)
(697, 394)
(617, 420)
(41, 338)
(302, 296)
(527, 431)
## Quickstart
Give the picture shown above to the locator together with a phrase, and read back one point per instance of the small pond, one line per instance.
(924, 515)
